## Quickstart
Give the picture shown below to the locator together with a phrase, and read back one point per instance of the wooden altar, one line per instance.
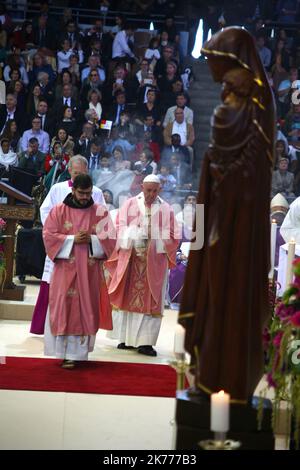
(19, 207)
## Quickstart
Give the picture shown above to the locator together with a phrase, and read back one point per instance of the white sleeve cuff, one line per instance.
(97, 250)
(160, 248)
(65, 251)
(127, 237)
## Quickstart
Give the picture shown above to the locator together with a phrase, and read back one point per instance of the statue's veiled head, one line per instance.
(232, 48)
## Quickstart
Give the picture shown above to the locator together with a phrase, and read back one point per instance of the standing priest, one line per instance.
(145, 250)
(76, 249)
(77, 165)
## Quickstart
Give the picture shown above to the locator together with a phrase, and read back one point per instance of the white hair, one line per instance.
(78, 159)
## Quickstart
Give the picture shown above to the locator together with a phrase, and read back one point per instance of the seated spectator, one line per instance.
(91, 83)
(33, 100)
(105, 166)
(68, 123)
(9, 110)
(292, 124)
(181, 127)
(143, 167)
(146, 164)
(95, 155)
(116, 140)
(280, 63)
(144, 75)
(40, 65)
(114, 112)
(170, 27)
(286, 89)
(83, 144)
(121, 50)
(7, 155)
(94, 63)
(149, 135)
(149, 107)
(66, 141)
(109, 199)
(15, 62)
(74, 69)
(160, 69)
(65, 100)
(152, 54)
(63, 56)
(73, 34)
(264, 52)
(175, 148)
(182, 173)
(18, 89)
(56, 155)
(31, 159)
(47, 90)
(125, 129)
(36, 131)
(12, 134)
(181, 100)
(94, 102)
(283, 180)
(167, 181)
(24, 37)
(43, 34)
(118, 162)
(65, 79)
(14, 76)
(165, 84)
(47, 123)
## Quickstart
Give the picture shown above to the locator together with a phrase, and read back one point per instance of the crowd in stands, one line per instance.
(89, 91)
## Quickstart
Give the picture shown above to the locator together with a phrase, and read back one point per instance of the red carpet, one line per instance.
(112, 378)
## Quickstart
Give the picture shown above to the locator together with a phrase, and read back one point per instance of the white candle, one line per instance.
(179, 339)
(290, 259)
(273, 247)
(219, 411)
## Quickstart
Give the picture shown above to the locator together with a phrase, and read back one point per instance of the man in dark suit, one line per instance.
(182, 173)
(149, 131)
(42, 34)
(65, 100)
(114, 113)
(9, 110)
(175, 148)
(46, 121)
(95, 155)
(72, 35)
(83, 145)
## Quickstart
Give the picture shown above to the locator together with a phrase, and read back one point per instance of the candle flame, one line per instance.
(221, 393)
(274, 221)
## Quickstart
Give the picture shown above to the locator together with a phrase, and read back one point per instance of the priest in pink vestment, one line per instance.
(147, 239)
(77, 247)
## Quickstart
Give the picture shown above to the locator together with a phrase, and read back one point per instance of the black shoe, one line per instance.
(22, 279)
(123, 346)
(147, 350)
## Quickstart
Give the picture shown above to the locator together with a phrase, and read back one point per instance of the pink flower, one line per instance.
(2, 224)
(295, 319)
(277, 339)
(284, 311)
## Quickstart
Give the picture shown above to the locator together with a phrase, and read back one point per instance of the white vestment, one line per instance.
(56, 195)
(136, 329)
(290, 227)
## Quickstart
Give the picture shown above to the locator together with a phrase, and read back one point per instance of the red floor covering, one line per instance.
(112, 378)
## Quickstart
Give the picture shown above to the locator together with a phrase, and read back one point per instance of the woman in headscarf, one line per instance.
(225, 297)
(7, 156)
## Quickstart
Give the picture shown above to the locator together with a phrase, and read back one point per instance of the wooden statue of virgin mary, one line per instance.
(225, 298)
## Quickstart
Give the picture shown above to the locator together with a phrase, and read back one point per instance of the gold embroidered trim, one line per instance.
(186, 315)
(226, 54)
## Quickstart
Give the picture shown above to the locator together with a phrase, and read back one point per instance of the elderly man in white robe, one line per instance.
(77, 165)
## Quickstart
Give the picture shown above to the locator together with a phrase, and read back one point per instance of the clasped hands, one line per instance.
(82, 237)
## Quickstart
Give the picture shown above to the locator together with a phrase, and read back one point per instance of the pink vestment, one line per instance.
(77, 282)
(136, 282)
